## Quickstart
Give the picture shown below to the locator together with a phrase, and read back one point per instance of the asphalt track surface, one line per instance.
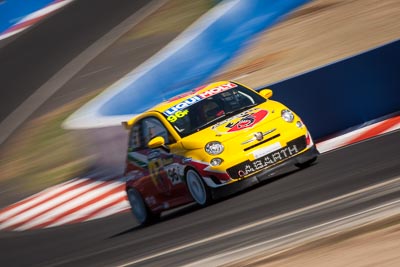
(117, 240)
(38, 53)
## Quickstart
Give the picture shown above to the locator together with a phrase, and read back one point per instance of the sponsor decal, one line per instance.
(186, 94)
(175, 173)
(165, 170)
(267, 160)
(244, 120)
(157, 170)
(159, 176)
(182, 105)
(192, 100)
(240, 115)
(247, 121)
(177, 115)
(217, 90)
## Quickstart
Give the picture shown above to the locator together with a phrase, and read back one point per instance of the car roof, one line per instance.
(173, 101)
(176, 100)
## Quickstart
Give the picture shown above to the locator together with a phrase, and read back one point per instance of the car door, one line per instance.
(160, 171)
(158, 158)
(165, 168)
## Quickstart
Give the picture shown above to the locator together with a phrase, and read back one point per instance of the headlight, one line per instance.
(216, 161)
(214, 148)
(287, 115)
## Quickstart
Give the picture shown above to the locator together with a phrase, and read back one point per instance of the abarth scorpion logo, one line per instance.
(247, 121)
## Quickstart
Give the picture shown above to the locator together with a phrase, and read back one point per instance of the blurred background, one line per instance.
(75, 52)
(41, 153)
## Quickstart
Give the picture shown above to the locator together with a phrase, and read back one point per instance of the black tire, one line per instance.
(199, 191)
(306, 164)
(139, 209)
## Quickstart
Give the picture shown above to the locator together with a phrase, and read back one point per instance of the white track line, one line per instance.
(261, 222)
(254, 249)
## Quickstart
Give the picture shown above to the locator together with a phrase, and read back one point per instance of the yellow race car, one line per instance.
(217, 138)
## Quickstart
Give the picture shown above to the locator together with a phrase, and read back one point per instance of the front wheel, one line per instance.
(139, 209)
(197, 188)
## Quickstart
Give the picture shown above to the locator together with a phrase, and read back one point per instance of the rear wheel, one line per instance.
(139, 209)
(197, 188)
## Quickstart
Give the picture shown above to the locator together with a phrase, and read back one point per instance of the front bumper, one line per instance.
(250, 167)
(242, 184)
(311, 153)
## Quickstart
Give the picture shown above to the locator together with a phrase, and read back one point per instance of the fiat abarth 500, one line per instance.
(219, 136)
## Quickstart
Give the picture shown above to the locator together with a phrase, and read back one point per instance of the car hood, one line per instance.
(241, 126)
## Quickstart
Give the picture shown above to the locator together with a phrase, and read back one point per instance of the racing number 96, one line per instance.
(177, 115)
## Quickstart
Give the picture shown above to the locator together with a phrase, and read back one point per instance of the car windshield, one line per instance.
(201, 112)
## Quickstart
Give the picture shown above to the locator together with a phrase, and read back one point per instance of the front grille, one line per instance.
(262, 142)
(248, 167)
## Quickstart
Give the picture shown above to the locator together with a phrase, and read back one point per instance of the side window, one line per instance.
(136, 141)
(152, 127)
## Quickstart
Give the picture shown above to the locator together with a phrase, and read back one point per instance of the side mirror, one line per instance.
(267, 93)
(156, 142)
